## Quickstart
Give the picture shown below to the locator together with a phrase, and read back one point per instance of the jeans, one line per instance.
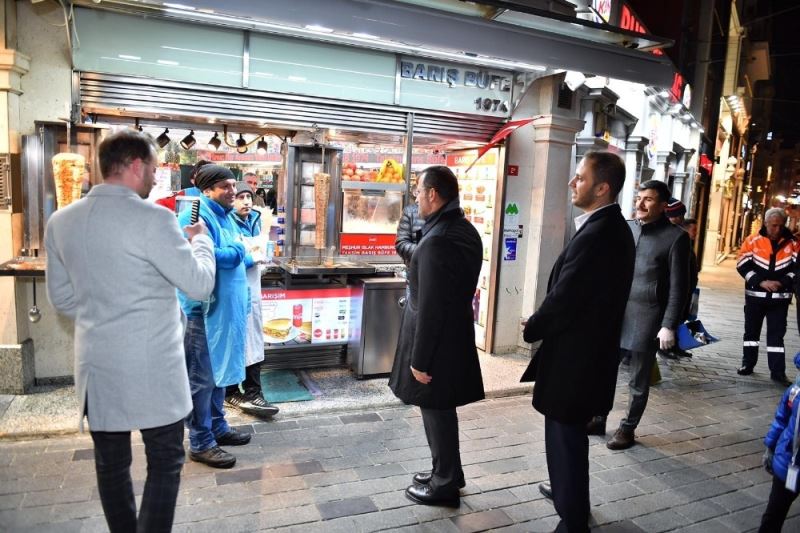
(206, 422)
(112, 455)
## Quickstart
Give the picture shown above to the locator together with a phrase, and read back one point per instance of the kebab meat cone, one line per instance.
(68, 172)
(322, 191)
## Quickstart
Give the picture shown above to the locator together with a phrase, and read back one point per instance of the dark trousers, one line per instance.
(567, 450)
(775, 311)
(638, 387)
(251, 384)
(780, 500)
(163, 447)
(441, 430)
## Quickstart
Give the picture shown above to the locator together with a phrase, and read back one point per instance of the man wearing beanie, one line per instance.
(675, 211)
(215, 330)
(251, 401)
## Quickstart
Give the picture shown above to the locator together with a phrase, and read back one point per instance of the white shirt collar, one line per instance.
(580, 220)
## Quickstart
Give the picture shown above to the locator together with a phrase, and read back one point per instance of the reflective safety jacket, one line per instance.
(761, 259)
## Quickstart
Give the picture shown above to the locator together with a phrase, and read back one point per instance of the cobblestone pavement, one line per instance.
(696, 467)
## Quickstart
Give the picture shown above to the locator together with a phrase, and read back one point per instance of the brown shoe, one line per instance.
(622, 440)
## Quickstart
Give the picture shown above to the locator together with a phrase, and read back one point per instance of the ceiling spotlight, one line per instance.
(188, 141)
(261, 147)
(163, 139)
(241, 145)
(214, 142)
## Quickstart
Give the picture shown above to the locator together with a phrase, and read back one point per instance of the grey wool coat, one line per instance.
(660, 283)
(113, 263)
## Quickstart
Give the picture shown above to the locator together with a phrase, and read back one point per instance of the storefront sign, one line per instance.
(603, 8)
(513, 170)
(315, 316)
(629, 21)
(367, 244)
(454, 87)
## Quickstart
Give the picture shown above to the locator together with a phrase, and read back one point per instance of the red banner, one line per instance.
(501, 134)
(367, 244)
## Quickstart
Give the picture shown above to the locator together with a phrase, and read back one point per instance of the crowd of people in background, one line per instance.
(168, 325)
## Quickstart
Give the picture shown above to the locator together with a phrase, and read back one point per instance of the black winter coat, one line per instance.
(579, 321)
(407, 232)
(437, 333)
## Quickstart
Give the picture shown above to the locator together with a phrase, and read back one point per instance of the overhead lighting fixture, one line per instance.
(241, 145)
(663, 94)
(261, 147)
(365, 36)
(574, 79)
(168, 62)
(138, 127)
(128, 57)
(215, 142)
(163, 139)
(188, 141)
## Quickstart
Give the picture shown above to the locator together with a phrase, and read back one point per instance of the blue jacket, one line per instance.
(249, 228)
(781, 432)
(225, 313)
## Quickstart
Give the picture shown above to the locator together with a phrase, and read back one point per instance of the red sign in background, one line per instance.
(367, 244)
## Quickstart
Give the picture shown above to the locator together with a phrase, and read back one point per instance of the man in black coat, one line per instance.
(436, 365)
(408, 232)
(579, 323)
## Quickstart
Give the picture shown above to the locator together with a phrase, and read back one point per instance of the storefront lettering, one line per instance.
(629, 21)
(453, 76)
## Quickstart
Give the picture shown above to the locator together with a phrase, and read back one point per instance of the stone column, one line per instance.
(16, 351)
(554, 138)
(634, 151)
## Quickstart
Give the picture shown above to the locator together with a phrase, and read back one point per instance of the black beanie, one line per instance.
(208, 175)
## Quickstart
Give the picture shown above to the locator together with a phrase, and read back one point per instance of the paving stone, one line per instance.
(83, 455)
(482, 521)
(380, 471)
(294, 469)
(661, 521)
(700, 511)
(239, 476)
(360, 418)
(349, 507)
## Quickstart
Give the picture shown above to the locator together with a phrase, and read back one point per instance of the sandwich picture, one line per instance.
(278, 328)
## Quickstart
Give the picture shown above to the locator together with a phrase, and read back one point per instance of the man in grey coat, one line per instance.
(113, 263)
(656, 302)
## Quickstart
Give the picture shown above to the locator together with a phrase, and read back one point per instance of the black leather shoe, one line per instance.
(745, 371)
(214, 457)
(668, 354)
(781, 378)
(426, 496)
(423, 478)
(596, 426)
(233, 438)
(546, 490)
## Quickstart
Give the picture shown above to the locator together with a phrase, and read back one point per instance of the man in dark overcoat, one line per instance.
(579, 323)
(655, 307)
(436, 366)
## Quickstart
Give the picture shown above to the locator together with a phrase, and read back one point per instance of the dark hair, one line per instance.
(120, 149)
(607, 167)
(200, 163)
(689, 221)
(664, 194)
(442, 179)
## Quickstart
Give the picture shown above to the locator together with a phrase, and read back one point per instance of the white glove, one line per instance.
(666, 338)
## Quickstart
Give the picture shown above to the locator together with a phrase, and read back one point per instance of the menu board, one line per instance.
(478, 192)
(306, 316)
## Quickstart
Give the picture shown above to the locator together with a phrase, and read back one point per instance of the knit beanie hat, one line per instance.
(675, 208)
(242, 186)
(208, 175)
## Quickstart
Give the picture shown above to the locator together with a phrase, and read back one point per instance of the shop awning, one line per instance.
(540, 41)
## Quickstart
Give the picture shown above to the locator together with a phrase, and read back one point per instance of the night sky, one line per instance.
(785, 51)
